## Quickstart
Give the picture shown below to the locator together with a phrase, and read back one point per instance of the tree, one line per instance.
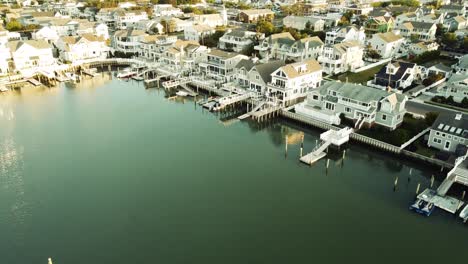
(169, 26)
(449, 39)
(14, 25)
(430, 118)
(308, 25)
(265, 27)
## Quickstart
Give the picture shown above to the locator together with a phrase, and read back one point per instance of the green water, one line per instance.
(115, 173)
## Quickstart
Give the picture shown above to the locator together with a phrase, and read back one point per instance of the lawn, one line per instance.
(359, 77)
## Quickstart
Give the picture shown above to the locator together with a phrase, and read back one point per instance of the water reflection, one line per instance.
(13, 188)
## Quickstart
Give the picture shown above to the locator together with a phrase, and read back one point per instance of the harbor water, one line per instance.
(106, 171)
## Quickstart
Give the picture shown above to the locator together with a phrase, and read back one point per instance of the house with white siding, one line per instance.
(86, 46)
(346, 33)
(341, 57)
(386, 44)
(198, 32)
(238, 40)
(301, 22)
(30, 55)
(292, 82)
(128, 40)
(449, 132)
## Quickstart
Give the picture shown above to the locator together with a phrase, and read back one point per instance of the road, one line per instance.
(422, 108)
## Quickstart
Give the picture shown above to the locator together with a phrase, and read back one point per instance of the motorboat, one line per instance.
(126, 73)
(181, 93)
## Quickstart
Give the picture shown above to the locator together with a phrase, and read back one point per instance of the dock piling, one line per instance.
(417, 188)
(463, 195)
(432, 180)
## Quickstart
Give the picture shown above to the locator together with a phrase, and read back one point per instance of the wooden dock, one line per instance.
(313, 157)
(446, 203)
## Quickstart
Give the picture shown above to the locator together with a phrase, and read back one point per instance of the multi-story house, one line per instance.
(166, 10)
(301, 22)
(127, 18)
(29, 55)
(460, 10)
(212, 20)
(256, 77)
(86, 46)
(283, 46)
(387, 44)
(183, 55)
(198, 32)
(379, 24)
(418, 30)
(128, 40)
(291, 82)
(455, 23)
(106, 16)
(419, 16)
(449, 132)
(254, 15)
(153, 46)
(341, 57)
(462, 65)
(237, 40)
(220, 64)
(421, 47)
(396, 75)
(348, 33)
(359, 103)
(456, 87)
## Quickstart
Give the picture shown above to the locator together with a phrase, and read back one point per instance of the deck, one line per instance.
(446, 203)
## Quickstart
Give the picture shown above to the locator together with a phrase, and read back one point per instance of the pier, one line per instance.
(330, 137)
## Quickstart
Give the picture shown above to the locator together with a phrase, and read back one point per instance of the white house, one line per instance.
(346, 33)
(127, 18)
(212, 20)
(237, 40)
(166, 10)
(46, 33)
(420, 30)
(300, 22)
(153, 46)
(31, 54)
(386, 44)
(219, 64)
(198, 32)
(421, 47)
(128, 40)
(86, 46)
(291, 82)
(341, 57)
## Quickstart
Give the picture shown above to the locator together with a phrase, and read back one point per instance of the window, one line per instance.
(315, 97)
(330, 106)
(348, 110)
(437, 140)
(384, 117)
(447, 145)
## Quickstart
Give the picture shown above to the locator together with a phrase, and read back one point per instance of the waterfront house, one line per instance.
(301, 22)
(456, 87)
(153, 46)
(86, 46)
(219, 64)
(381, 24)
(166, 10)
(198, 32)
(256, 77)
(183, 55)
(359, 103)
(346, 33)
(254, 15)
(386, 44)
(291, 82)
(283, 46)
(238, 40)
(341, 57)
(30, 55)
(418, 30)
(396, 75)
(449, 132)
(128, 40)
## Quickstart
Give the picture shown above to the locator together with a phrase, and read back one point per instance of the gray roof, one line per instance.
(452, 123)
(247, 64)
(359, 92)
(266, 69)
(421, 25)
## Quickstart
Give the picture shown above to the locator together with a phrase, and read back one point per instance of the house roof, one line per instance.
(361, 93)
(245, 63)
(452, 123)
(222, 54)
(421, 25)
(257, 12)
(266, 69)
(388, 37)
(313, 41)
(297, 69)
(129, 33)
(399, 75)
(38, 44)
(343, 46)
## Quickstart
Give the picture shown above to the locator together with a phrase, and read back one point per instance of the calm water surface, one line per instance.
(109, 172)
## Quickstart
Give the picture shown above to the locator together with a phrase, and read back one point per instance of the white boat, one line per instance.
(126, 73)
(3, 89)
(182, 93)
(464, 214)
